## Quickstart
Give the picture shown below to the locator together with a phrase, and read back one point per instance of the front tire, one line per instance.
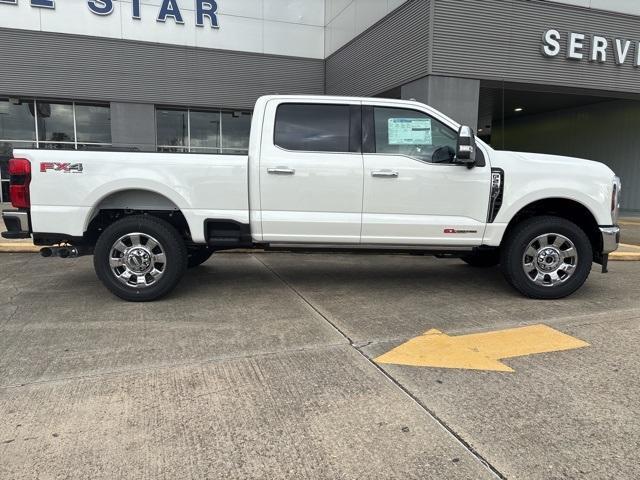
(140, 258)
(546, 257)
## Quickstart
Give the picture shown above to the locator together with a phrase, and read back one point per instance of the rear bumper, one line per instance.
(17, 223)
(610, 239)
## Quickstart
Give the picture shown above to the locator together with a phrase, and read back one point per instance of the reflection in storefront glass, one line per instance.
(17, 120)
(205, 131)
(172, 128)
(202, 131)
(93, 123)
(235, 131)
(55, 122)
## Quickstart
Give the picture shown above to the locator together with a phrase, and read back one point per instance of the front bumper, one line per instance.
(17, 223)
(610, 239)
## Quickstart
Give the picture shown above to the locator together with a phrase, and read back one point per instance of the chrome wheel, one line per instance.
(550, 260)
(137, 260)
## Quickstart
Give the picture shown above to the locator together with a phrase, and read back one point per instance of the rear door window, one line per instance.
(313, 127)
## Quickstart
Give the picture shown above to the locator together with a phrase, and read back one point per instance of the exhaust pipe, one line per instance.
(62, 252)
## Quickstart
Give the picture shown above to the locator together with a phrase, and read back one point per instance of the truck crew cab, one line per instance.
(321, 173)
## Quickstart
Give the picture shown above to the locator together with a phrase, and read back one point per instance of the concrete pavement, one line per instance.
(560, 415)
(630, 230)
(235, 376)
(260, 366)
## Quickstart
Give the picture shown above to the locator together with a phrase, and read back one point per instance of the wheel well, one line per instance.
(564, 208)
(134, 202)
(106, 217)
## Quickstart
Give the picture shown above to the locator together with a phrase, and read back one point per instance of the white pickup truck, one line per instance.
(322, 173)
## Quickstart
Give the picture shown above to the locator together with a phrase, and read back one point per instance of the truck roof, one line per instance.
(394, 102)
(340, 98)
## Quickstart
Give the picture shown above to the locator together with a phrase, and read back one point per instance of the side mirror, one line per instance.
(466, 148)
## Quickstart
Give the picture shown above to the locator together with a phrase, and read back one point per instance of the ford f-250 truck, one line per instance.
(322, 173)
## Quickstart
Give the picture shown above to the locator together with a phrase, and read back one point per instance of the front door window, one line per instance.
(400, 131)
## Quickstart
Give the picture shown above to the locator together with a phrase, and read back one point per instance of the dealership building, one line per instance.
(544, 76)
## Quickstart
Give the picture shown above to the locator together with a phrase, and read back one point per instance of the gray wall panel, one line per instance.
(48, 64)
(392, 52)
(456, 97)
(133, 125)
(501, 40)
(482, 39)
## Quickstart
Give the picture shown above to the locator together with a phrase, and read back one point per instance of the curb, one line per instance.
(18, 247)
(624, 257)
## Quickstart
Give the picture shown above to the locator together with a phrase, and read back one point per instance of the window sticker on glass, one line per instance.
(410, 131)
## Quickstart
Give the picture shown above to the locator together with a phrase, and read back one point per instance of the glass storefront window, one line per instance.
(172, 126)
(93, 123)
(205, 131)
(59, 125)
(235, 132)
(55, 122)
(17, 120)
(202, 131)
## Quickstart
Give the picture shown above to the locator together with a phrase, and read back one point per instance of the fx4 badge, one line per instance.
(61, 167)
(453, 230)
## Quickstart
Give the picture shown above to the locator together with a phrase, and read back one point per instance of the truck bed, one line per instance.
(75, 184)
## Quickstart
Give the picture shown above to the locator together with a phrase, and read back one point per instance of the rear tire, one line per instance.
(546, 257)
(140, 258)
(483, 259)
(197, 256)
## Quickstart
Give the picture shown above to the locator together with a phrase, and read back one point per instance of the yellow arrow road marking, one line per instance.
(479, 351)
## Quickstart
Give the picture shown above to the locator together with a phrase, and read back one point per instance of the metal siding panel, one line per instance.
(501, 40)
(392, 52)
(70, 66)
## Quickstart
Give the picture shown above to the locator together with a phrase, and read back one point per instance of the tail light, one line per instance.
(19, 180)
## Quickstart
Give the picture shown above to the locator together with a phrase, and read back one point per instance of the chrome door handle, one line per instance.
(384, 173)
(281, 171)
